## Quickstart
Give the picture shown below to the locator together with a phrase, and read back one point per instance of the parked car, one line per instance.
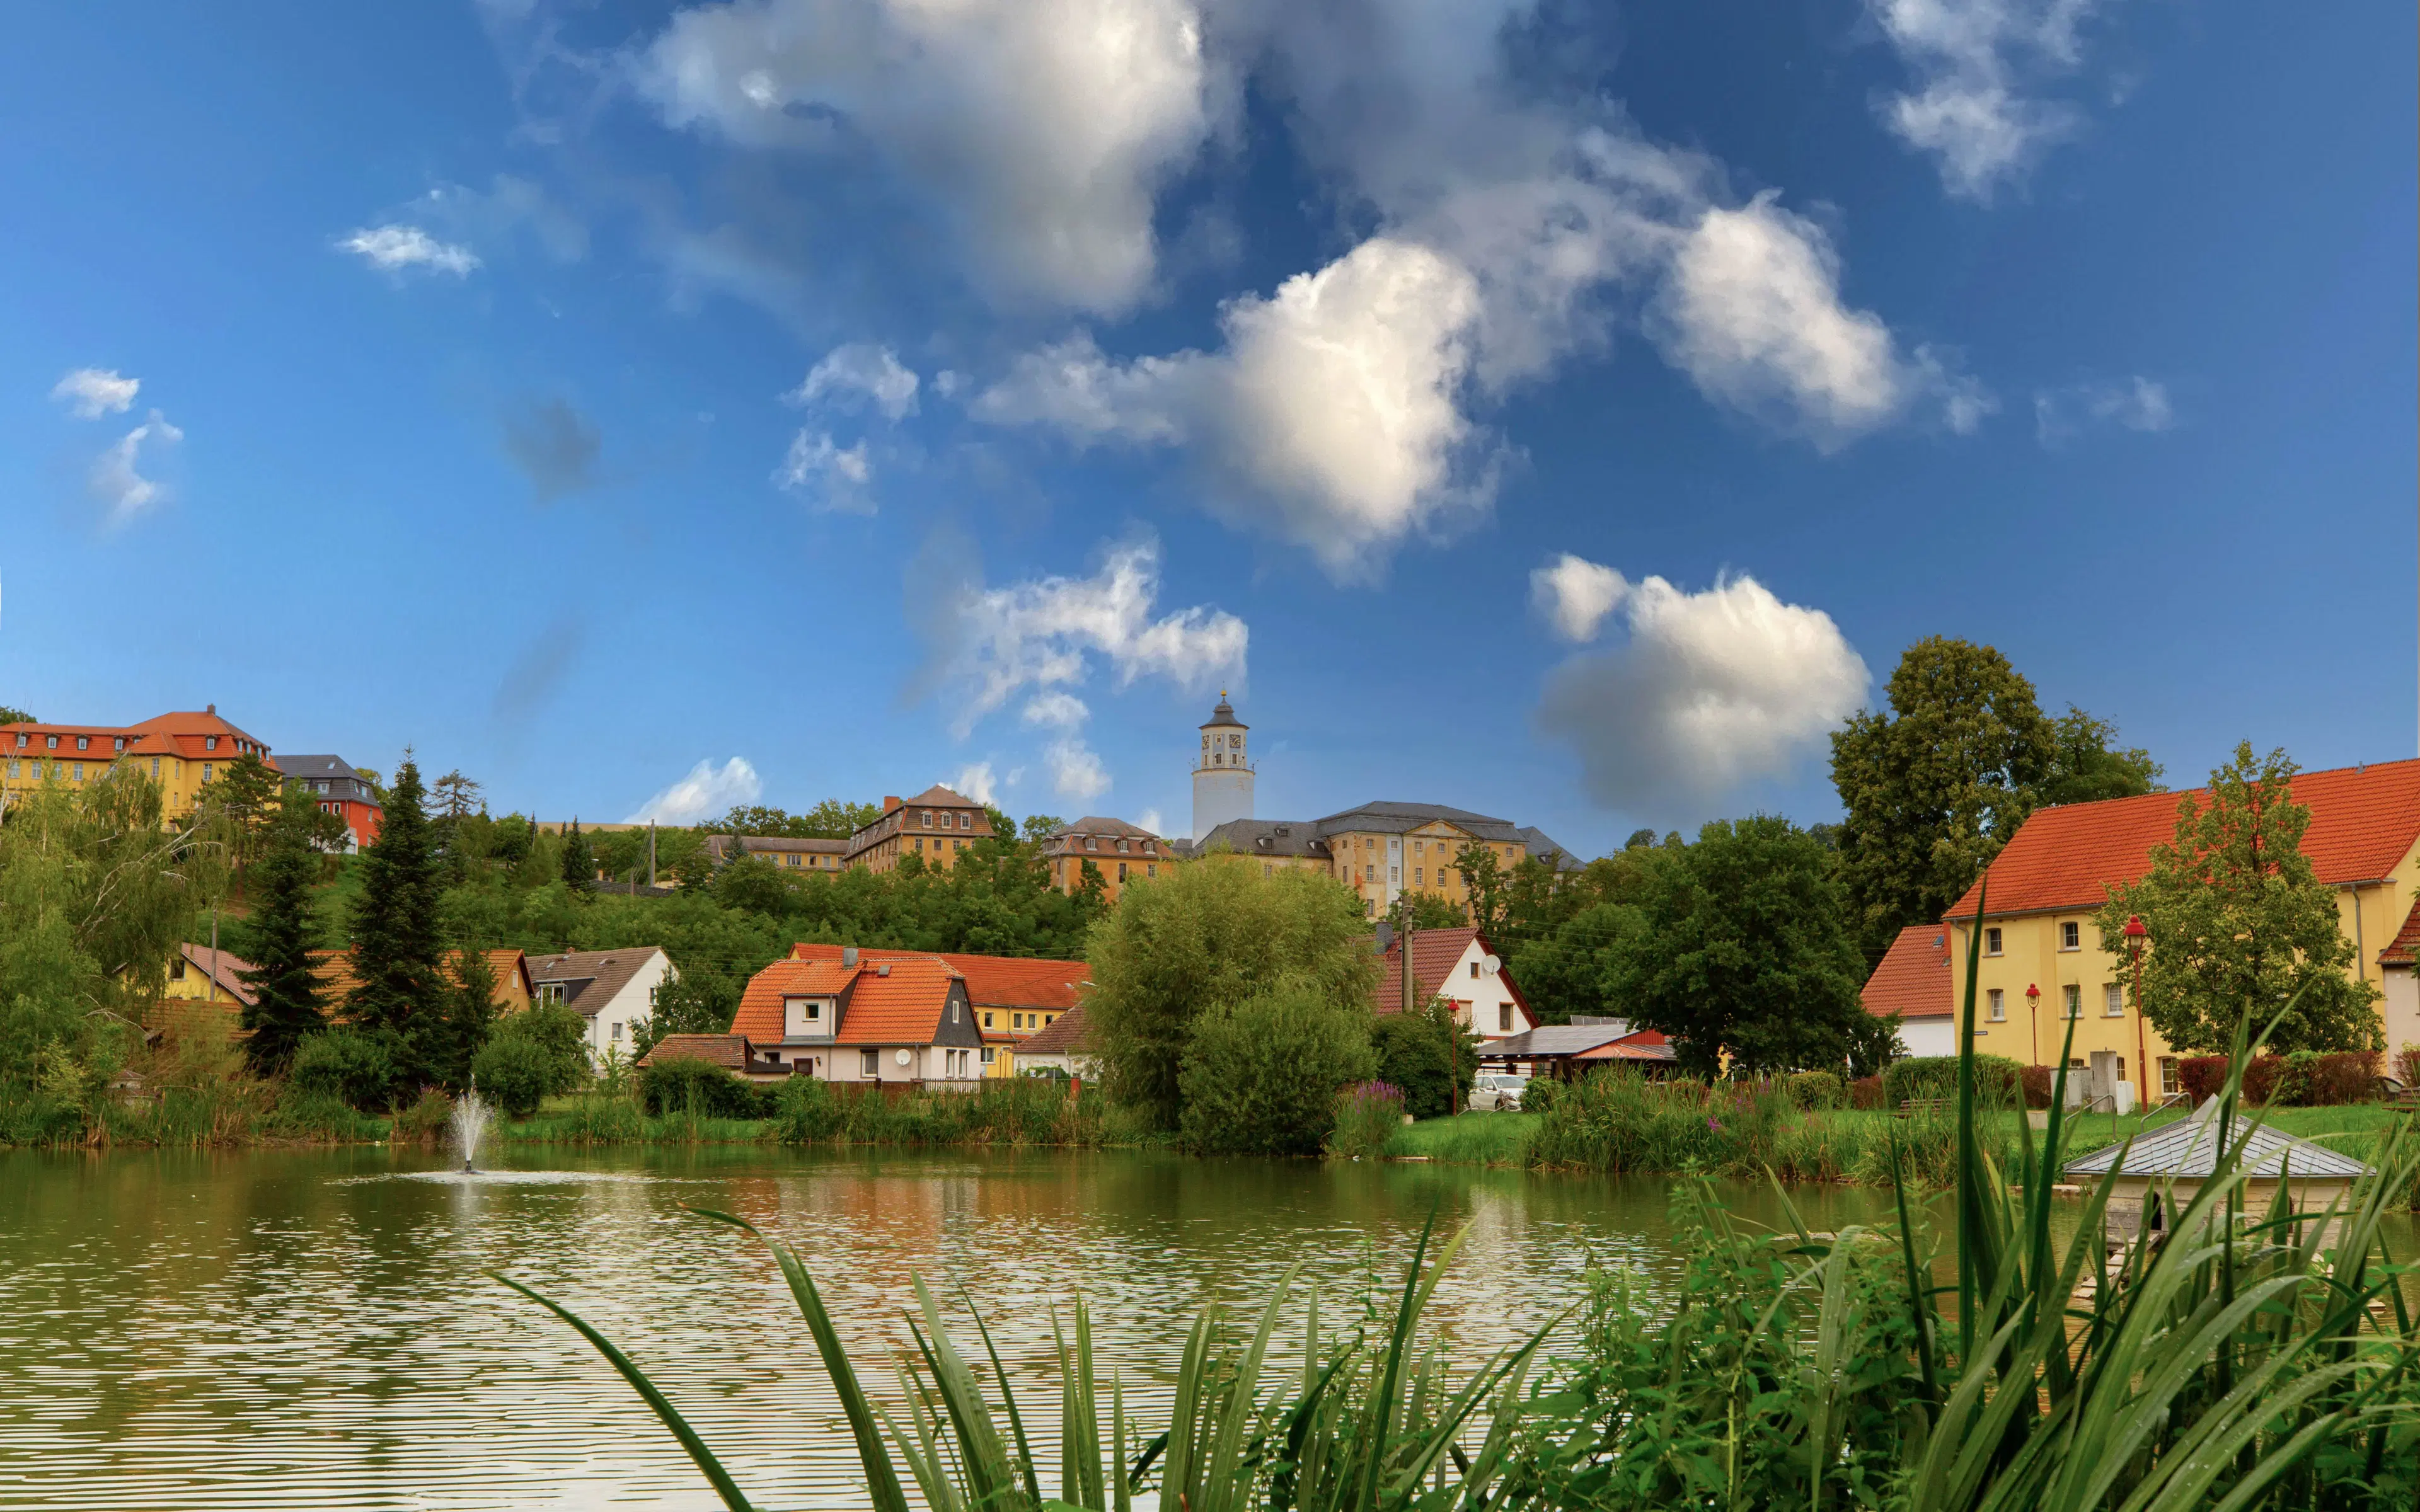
(1496, 1091)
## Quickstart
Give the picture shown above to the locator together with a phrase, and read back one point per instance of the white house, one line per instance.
(614, 990)
(1457, 964)
(1912, 981)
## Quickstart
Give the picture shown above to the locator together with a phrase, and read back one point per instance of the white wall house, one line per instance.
(614, 990)
(1457, 964)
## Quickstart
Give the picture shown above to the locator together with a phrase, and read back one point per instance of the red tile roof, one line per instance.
(760, 1007)
(221, 966)
(1435, 953)
(904, 1007)
(337, 980)
(2364, 822)
(992, 980)
(2404, 949)
(1066, 1035)
(729, 1050)
(1913, 979)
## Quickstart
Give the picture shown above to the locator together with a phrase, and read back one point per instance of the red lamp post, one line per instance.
(2135, 935)
(2033, 1020)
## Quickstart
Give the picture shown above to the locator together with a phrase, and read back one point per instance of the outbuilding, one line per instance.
(2171, 1163)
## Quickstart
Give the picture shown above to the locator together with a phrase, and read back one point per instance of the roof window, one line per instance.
(82, 741)
(210, 742)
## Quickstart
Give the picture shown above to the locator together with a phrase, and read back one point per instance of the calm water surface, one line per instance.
(319, 1328)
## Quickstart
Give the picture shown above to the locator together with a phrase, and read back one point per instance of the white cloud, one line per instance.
(837, 476)
(1043, 128)
(1753, 315)
(1330, 416)
(860, 368)
(114, 481)
(395, 248)
(1075, 771)
(94, 391)
(1971, 60)
(1064, 711)
(1575, 594)
(1149, 819)
(1043, 635)
(2138, 404)
(706, 792)
(1710, 690)
(976, 781)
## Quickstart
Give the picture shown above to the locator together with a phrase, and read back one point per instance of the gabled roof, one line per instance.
(759, 1015)
(2404, 949)
(2364, 820)
(1392, 818)
(337, 980)
(2189, 1147)
(221, 967)
(729, 1050)
(1913, 979)
(1435, 954)
(992, 980)
(902, 1005)
(1066, 1035)
(590, 977)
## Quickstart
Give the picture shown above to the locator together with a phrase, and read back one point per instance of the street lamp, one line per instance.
(2135, 935)
(2033, 1019)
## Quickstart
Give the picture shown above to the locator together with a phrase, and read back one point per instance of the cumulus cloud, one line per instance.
(1575, 594)
(1042, 127)
(861, 370)
(834, 474)
(708, 791)
(115, 482)
(554, 444)
(396, 249)
(1972, 61)
(1064, 711)
(91, 392)
(1708, 691)
(1330, 417)
(2138, 404)
(1045, 636)
(1076, 770)
(977, 782)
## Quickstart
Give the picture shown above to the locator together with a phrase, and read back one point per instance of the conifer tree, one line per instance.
(285, 995)
(578, 861)
(398, 943)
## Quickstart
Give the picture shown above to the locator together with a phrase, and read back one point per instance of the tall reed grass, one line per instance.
(2235, 1360)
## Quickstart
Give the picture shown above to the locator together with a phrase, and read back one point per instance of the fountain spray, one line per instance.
(469, 1122)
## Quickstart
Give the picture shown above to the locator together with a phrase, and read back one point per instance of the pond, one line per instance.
(319, 1329)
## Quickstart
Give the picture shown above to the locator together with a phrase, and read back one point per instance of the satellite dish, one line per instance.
(1491, 965)
(903, 1058)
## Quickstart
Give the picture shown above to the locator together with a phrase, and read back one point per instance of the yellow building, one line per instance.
(2043, 964)
(1121, 852)
(937, 826)
(181, 751)
(1382, 850)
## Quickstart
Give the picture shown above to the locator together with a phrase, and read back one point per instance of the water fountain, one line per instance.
(470, 1124)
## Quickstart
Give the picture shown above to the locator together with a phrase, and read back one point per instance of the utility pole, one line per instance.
(651, 853)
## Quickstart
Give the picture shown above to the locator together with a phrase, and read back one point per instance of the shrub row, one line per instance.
(2305, 1079)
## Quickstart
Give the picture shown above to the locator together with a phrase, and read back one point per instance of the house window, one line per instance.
(1474, 968)
(1419, 877)
(928, 819)
(2075, 995)
(1395, 874)
(79, 771)
(177, 969)
(1149, 870)
(1999, 1009)
(1504, 1017)
(990, 1056)
(2169, 1086)
(2070, 935)
(617, 1035)
(82, 741)
(155, 766)
(210, 742)
(869, 1063)
(206, 771)
(1122, 870)
(119, 744)
(50, 742)
(987, 1021)
(2114, 1000)
(1091, 844)
(1991, 941)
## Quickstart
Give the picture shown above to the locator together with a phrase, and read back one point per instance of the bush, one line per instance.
(1428, 1059)
(1866, 1092)
(561, 1036)
(1998, 1080)
(2037, 1084)
(1367, 1116)
(365, 1067)
(513, 1071)
(425, 1121)
(2310, 1079)
(1540, 1095)
(686, 1084)
(2202, 1076)
(1259, 1076)
(1815, 1089)
(806, 1111)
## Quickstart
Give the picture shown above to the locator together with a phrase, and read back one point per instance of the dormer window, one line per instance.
(1091, 844)
(210, 742)
(82, 741)
(966, 820)
(1122, 844)
(928, 819)
(119, 744)
(51, 741)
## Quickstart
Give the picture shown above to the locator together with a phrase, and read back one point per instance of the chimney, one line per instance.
(209, 708)
(883, 970)
(889, 805)
(849, 955)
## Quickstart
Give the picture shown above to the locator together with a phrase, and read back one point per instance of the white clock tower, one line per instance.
(1222, 777)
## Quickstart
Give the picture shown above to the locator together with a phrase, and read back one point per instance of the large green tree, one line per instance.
(398, 939)
(1742, 945)
(1210, 934)
(1935, 785)
(578, 861)
(286, 1007)
(2239, 924)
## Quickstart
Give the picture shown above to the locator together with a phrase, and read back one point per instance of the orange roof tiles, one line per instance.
(1913, 979)
(2364, 822)
(2404, 949)
(760, 1007)
(992, 980)
(904, 1007)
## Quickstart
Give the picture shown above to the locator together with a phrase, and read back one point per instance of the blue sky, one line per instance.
(1564, 411)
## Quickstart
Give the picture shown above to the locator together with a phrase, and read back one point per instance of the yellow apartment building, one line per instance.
(2043, 964)
(936, 825)
(1382, 850)
(180, 752)
(1121, 852)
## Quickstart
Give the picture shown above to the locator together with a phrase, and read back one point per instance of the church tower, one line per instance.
(1222, 777)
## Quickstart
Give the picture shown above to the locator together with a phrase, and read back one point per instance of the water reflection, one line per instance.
(319, 1329)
